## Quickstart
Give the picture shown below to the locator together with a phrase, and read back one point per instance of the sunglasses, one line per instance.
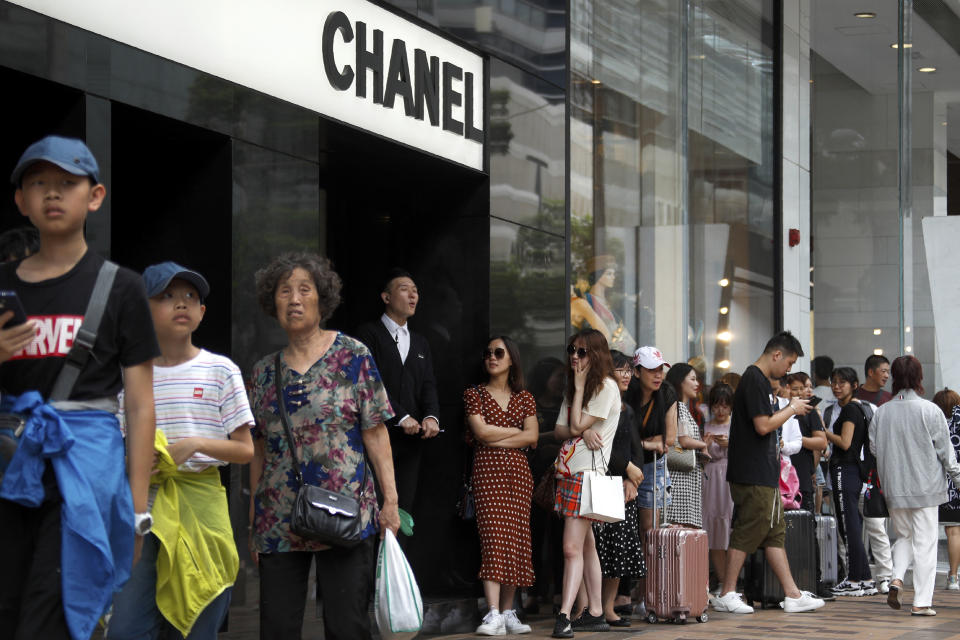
(497, 353)
(581, 352)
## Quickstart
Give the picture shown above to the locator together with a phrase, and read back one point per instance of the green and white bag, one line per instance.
(397, 605)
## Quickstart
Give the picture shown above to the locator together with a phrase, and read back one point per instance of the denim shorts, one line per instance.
(645, 492)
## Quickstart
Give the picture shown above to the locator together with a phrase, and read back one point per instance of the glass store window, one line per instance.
(885, 145)
(672, 177)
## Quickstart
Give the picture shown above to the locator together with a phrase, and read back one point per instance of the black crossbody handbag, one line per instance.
(319, 514)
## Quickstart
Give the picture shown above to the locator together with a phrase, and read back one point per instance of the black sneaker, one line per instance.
(587, 622)
(562, 627)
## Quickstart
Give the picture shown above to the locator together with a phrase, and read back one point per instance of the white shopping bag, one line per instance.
(397, 604)
(602, 497)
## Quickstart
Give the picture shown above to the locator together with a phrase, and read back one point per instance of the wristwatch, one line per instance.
(142, 522)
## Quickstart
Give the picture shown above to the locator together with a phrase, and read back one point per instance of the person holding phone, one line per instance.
(813, 438)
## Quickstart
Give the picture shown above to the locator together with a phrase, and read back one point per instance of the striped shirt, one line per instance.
(204, 397)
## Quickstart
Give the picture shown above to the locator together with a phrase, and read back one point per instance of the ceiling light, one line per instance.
(906, 329)
(927, 69)
(724, 364)
(724, 336)
(877, 332)
(724, 310)
(723, 282)
(865, 14)
(878, 352)
(896, 45)
(908, 348)
(943, 124)
(595, 81)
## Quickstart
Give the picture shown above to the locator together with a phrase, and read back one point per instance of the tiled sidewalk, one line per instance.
(868, 617)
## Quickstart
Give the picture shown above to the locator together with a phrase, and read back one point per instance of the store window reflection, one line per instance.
(669, 246)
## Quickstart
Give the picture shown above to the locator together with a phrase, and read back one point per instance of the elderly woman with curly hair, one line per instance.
(337, 406)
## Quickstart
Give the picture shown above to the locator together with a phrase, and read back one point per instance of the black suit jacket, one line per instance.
(411, 385)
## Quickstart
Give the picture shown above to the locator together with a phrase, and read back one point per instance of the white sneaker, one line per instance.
(512, 623)
(867, 588)
(884, 585)
(732, 603)
(806, 602)
(953, 584)
(492, 625)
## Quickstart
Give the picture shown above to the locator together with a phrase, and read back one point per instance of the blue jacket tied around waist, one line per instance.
(86, 451)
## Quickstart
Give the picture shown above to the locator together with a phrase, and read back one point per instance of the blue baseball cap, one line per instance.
(70, 154)
(157, 277)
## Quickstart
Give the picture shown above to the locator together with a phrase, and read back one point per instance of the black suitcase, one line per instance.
(761, 584)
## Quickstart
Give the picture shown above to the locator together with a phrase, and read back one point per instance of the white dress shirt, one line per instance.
(400, 335)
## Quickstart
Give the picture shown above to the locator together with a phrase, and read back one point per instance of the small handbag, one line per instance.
(319, 514)
(874, 504)
(544, 493)
(680, 459)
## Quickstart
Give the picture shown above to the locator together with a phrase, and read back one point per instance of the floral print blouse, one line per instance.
(329, 405)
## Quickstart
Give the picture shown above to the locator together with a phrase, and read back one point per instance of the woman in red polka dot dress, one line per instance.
(503, 420)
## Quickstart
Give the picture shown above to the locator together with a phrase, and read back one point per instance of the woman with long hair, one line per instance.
(655, 406)
(587, 422)
(686, 493)
(911, 440)
(949, 402)
(503, 420)
(847, 437)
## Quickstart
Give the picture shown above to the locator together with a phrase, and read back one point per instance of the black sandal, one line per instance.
(619, 622)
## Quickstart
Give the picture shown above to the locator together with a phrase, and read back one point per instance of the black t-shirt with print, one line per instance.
(803, 460)
(125, 336)
(752, 458)
(850, 413)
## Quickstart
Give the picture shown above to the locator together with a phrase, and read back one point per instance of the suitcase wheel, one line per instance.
(651, 617)
(703, 617)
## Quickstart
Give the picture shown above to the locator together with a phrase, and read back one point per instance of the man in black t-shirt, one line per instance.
(753, 471)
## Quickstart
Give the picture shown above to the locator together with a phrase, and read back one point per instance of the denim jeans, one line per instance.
(135, 614)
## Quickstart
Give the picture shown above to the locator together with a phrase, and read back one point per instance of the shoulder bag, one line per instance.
(318, 514)
(678, 458)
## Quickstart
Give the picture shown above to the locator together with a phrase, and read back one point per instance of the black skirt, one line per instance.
(618, 545)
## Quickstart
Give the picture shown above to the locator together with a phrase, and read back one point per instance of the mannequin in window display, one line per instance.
(602, 277)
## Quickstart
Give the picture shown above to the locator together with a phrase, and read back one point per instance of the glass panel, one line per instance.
(731, 168)
(854, 198)
(527, 273)
(277, 207)
(528, 33)
(625, 173)
(527, 151)
(644, 272)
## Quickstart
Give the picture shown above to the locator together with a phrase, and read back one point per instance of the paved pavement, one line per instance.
(867, 617)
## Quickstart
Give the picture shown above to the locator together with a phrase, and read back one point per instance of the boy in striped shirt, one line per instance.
(202, 409)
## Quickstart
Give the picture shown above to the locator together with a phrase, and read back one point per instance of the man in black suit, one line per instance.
(403, 358)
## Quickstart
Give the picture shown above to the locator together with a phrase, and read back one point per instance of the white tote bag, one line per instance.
(602, 497)
(397, 604)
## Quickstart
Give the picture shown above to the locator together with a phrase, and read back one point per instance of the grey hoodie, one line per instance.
(910, 438)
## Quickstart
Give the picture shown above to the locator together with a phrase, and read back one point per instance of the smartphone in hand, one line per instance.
(814, 400)
(9, 301)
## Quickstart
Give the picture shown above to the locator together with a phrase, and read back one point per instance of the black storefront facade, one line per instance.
(222, 177)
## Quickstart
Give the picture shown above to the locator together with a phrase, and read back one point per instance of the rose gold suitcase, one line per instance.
(678, 573)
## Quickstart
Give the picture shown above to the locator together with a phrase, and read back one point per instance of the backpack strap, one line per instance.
(86, 336)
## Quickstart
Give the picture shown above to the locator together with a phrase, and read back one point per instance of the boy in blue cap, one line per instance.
(202, 409)
(68, 509)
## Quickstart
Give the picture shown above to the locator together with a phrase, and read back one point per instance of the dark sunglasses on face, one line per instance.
(497, 353)
(581, 352)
